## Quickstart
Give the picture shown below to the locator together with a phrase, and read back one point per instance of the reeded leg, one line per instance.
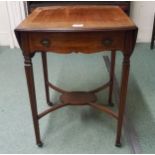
(45, 72)
(112, 70)
(123, 93)
(32, 97)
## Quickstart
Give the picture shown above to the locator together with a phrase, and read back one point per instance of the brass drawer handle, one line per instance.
(107, 42)
(45, 42)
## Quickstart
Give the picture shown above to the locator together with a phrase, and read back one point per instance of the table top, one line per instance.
(76, 18)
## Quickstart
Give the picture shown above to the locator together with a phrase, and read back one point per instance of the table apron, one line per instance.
(84, 42)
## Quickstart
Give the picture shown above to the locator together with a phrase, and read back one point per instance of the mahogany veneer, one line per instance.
(85, 29)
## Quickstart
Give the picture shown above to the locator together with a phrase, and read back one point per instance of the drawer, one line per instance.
(84, 42)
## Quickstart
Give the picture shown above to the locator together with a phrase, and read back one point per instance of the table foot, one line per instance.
(111, 104)
(50, 103)
(40, 144)
(118, 144)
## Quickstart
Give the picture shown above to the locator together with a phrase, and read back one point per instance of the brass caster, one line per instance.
(118, 144)
(50, 103)
(111, 104)
(40, 144)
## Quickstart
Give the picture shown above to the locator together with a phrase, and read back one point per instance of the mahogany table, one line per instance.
(85, 29)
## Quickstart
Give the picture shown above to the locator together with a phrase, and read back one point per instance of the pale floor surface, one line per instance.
(74, 129)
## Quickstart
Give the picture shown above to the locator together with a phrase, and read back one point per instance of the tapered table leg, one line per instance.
(112, 70)
(32, 97)
(123, 93)
(45, 72)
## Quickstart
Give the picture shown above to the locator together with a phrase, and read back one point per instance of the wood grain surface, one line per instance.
(85, 29)
(68, 18)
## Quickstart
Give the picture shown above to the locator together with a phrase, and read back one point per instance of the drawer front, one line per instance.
(67, 42)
